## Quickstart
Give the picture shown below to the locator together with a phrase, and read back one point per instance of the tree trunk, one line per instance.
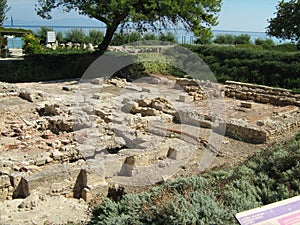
(110, 30)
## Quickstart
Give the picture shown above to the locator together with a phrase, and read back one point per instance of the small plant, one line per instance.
(31, 44)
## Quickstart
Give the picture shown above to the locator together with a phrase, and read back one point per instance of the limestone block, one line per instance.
(22, 189)
(4, 181)
(130, 107)
(87, 178)
(128, 167)
(246, 105)
(27, 96)
(3, 194)
(185, 98)
(60, 124)
(98, 192)
(97, 81)
(144, 102)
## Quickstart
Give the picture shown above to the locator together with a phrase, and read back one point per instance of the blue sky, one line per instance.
(236, 15)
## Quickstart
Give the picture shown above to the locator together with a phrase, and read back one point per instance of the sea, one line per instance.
(183, 36)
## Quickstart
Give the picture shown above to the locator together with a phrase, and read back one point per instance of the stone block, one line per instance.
(185, 98)
(3, 195)
(246, 105)
(128, 167)
(130, 107)
(87, 178)
(148, 90)
(95, 193)
(4, 181)
(97, 81)
(22, 190)
(178, 153)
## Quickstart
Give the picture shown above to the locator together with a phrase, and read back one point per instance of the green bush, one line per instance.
(60, 37)
(54, 65)
(31, 44)
(168, 37)
(229, 39)
(286, 47)
(150, 37)
(273, 68)
(224, 39)
(95, 37)
(126, 38)
(242, 39)
(267, 44)
(75, 36)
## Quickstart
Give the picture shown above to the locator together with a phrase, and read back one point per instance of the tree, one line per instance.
(286, 24)
(194, 15)
(3, 10)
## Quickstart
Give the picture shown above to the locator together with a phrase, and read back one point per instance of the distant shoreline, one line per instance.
(183, 36)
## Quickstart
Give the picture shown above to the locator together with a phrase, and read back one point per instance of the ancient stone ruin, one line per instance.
(85, 139)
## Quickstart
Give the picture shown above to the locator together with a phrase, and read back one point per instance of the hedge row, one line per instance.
(45, 67)
(272, 68)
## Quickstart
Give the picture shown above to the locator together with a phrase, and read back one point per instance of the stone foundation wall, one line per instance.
(261, 94)
(242, 130)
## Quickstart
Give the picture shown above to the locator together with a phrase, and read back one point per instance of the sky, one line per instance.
(235, 15)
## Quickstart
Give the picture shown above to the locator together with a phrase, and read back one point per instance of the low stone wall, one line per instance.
(241, 130)
(261, 94)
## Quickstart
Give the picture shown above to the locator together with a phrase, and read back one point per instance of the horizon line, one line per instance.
(102, 27)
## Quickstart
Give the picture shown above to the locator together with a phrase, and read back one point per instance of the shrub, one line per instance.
(95, 37)
(168, 37)
(31, 44)
(75, 36)
(150, 37)
(267, 44)
(246, 64)
(224, 39)
(126, 38)
(60, 37)
(286, 47)
(44, 67)
(242, 39)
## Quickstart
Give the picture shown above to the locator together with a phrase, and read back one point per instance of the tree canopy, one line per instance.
(3, 10)
(286, 24)
(194, 15)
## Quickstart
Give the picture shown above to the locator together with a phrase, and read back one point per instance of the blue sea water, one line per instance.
(182, 35)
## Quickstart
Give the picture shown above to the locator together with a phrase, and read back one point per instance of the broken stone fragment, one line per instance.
(60, 124)
(49, 110)
(130, 107)
(31, 97)
(31, 201)
(4, 181)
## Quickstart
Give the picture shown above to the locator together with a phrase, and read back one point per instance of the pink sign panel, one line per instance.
(286, 212)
